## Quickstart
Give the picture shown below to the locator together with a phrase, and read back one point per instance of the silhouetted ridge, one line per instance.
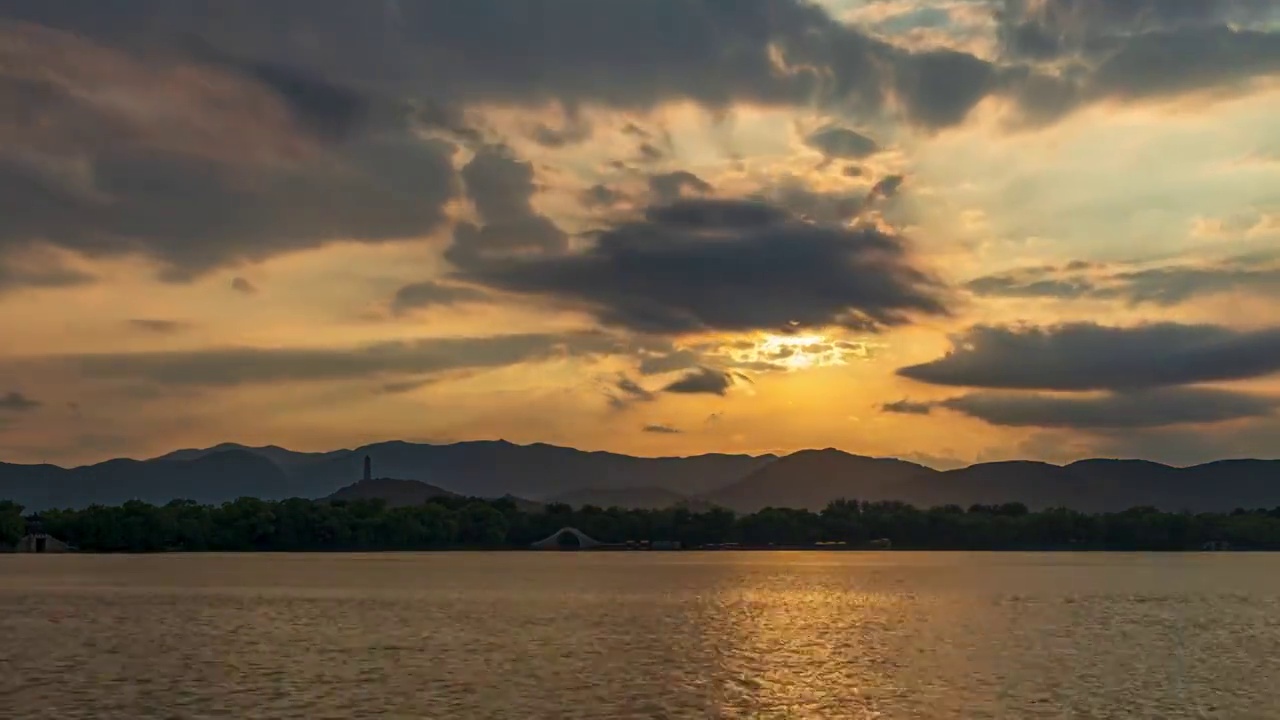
(396, 493)
(542, 472)
(644, 498)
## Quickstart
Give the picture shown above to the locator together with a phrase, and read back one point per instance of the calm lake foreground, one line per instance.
(641, 635)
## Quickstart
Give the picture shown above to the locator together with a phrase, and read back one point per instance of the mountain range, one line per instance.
(547, 473)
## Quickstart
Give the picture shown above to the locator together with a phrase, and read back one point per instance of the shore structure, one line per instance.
(570, 538)
(567, 538)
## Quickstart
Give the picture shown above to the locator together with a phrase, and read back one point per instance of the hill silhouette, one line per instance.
(407, 493)
(396, 493)
(642, 498)
(812, 478)
(492, 468)
(541, 473)
(212, 478)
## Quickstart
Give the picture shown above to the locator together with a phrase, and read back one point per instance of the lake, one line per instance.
(641, 635)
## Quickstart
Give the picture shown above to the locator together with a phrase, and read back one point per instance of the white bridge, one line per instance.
(567, 538)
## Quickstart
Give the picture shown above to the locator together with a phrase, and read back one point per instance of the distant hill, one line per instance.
(212, 478)
(809, 478)
(528, 473)
(405, 493)
(492, 468)
(282, 457)
(646, 498)
(812, 478)
(397, 493)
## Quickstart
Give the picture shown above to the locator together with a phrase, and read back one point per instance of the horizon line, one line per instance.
(776, 454)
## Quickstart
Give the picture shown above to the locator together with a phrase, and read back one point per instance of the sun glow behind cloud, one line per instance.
(797, 352)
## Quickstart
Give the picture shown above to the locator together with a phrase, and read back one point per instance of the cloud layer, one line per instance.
(700, 265)
(1159, 407)
(1088, 356)
(1166, 285)
(259, 140)
(195, 164)
(240, 366)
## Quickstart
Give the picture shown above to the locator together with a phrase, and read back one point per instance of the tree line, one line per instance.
(250, 524)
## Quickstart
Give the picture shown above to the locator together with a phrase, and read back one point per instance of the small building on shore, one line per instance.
(38, 541)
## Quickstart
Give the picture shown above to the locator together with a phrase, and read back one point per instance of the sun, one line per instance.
(795, 351)
(791, 352)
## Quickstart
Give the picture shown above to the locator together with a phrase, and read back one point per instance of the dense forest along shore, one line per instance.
(250, 524)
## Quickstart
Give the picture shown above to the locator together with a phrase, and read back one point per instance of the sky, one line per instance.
(951, 231)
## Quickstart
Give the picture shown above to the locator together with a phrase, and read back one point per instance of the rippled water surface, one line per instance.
(640, 635)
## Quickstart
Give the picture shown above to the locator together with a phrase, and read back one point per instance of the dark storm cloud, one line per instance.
(661, 429)
(625, 55)
(669, 187)
(14, 401)
(1132, 49)
(207, 175)
(1049, 28)
(938, 88)
(635, 56)
(699, 265)
(841, 142)
(1163, 286)
(717, 215)
(601, 196)
(159, 327)
(331, 111)
(240, 366)
(193, 218)
(428, 293)
(194, 212)
(203, 164)
(215, 177)
(1087, 356)
(1159, 407)
(502, 187)
(242, 285)
(704, 380)
(1174, 62)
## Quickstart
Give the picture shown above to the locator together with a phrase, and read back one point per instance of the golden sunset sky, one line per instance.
(943, 230)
